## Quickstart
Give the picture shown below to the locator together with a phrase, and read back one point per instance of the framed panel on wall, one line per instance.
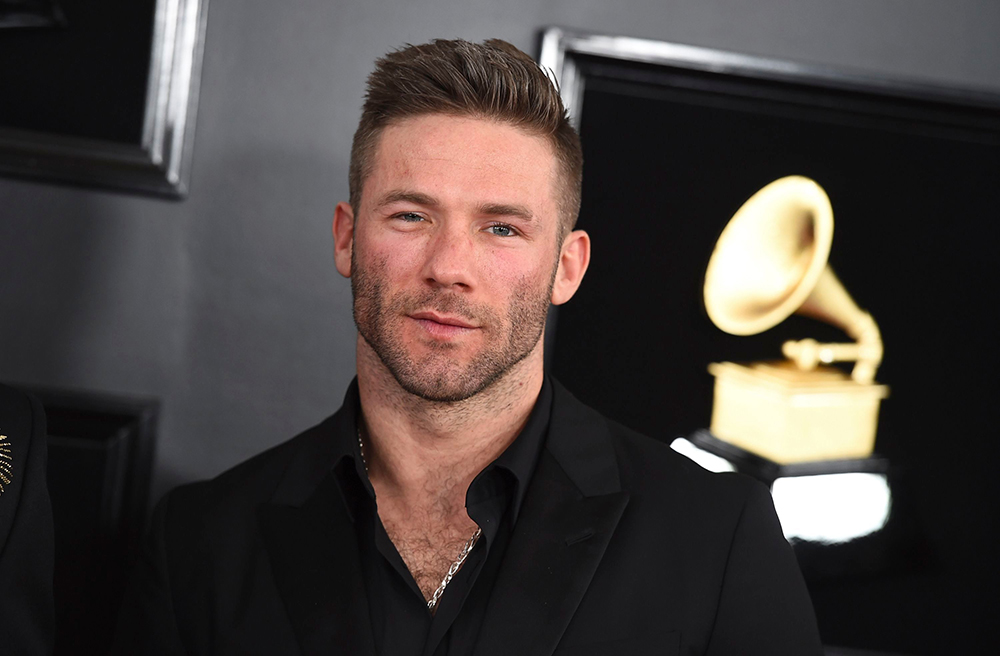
(676, 138)
(101, 94)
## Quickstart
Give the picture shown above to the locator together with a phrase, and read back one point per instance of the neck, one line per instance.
(413, 446)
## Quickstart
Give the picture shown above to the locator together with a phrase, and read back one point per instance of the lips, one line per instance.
(443, 319)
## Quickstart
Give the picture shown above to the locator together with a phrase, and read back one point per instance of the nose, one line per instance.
(450, 258)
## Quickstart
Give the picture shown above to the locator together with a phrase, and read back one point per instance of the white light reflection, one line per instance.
(832, 508)
(709, 461)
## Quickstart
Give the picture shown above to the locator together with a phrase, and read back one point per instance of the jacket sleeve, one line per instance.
(27, 538)
(147, 622)
(764, 608)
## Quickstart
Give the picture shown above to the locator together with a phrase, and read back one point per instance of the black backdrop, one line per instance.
(914, 182)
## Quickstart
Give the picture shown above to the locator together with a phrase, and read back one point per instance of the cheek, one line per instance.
(395, 257)
(504, 266)
(507, 270)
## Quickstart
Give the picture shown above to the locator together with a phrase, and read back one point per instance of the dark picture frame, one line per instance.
(675, 139)
(108, 99)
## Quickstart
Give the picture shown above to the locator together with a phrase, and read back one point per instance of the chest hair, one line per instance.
(428, 548)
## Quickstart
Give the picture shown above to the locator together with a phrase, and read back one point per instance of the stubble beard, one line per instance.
(438, 376)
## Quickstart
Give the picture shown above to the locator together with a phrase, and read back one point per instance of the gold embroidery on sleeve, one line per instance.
(6, 462)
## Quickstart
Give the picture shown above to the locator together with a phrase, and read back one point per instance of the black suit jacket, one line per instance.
(27, 542)
(621, 547)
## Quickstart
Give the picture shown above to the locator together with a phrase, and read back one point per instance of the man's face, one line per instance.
(455, 252)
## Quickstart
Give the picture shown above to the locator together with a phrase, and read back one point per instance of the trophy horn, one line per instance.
(771, 261)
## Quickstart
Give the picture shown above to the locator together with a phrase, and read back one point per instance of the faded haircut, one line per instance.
(493, 80)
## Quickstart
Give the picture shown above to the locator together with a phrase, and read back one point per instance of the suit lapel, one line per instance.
(569, 515)
(317, 570)
(312, 545)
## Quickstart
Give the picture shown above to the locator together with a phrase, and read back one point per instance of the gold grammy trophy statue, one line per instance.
(770, 262)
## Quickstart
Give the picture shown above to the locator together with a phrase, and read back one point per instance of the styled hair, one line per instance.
(493, 80)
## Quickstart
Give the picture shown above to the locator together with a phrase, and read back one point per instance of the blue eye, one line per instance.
(411, 217)
(502, 230)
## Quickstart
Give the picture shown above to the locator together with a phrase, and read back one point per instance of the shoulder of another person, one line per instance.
(21, 418)
(26, 532)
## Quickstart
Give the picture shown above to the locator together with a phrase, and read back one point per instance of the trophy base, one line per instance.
(781, 413)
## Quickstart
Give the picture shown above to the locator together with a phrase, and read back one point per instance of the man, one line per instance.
(460, 502)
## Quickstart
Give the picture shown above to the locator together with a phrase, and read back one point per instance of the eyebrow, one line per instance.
(486, 209)
(401, 196)
(505, 209)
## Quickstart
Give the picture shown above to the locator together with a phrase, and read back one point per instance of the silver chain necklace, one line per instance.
(455, 566)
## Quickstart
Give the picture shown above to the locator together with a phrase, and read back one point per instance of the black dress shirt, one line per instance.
(401, 621)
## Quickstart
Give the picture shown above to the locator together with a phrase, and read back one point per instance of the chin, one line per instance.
(449, 371)
(443, 384)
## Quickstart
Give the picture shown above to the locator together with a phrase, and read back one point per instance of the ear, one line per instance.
(574, 257)
(343, 238)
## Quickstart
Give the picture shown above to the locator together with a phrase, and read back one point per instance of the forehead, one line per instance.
(456, 158)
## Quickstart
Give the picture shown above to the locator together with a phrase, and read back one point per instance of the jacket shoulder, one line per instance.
(661, 483)
(649, 467)
(647, 462)
(722, 530)
(237, 492)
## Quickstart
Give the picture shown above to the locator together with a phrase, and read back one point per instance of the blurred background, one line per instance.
(224, 308)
